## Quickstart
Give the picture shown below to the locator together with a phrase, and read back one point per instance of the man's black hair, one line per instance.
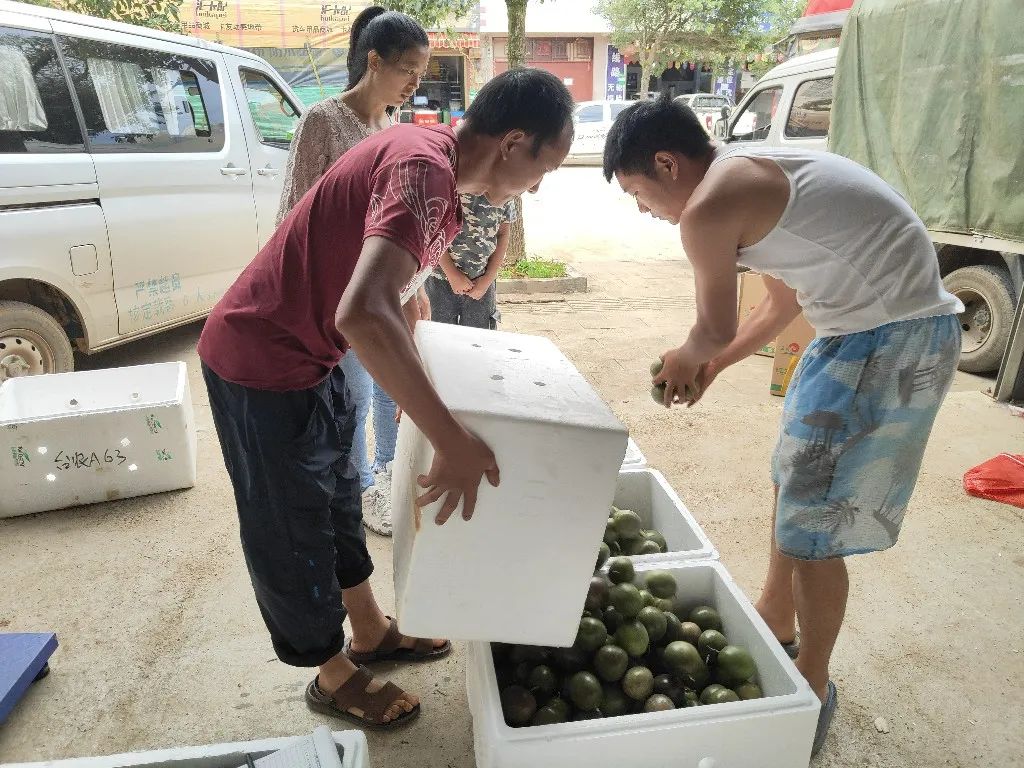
(649, 127)
(530, 100)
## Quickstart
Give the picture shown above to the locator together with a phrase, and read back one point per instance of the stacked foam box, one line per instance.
(78, 438)
(634, 458)
(646, 492)
(775, 731)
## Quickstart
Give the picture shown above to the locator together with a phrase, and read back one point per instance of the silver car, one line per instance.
(708, 107)
(592, 121)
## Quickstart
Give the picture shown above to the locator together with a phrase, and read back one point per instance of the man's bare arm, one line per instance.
(370, 318)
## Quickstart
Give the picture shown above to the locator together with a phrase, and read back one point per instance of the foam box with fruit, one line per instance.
(649, 522)
(671, 666)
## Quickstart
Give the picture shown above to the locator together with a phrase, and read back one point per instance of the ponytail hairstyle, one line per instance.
(389, 33)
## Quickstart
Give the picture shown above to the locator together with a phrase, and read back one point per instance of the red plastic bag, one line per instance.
(999, 479)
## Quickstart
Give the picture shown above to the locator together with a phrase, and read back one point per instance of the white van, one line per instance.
(140, 171)
(592, 120)
(791, 106)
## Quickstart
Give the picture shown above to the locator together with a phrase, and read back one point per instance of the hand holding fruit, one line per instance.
(675, 376)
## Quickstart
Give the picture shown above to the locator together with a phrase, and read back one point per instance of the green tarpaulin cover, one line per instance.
(930, 95)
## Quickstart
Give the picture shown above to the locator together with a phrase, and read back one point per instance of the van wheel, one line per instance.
(31, 342)
(988, 313)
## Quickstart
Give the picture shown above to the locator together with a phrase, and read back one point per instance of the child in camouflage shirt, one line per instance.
(461, 288)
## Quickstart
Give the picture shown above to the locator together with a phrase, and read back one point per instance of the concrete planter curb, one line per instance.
(573, 282)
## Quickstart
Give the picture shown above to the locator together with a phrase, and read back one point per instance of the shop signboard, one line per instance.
(615, 82)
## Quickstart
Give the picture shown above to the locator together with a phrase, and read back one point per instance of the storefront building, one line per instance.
(454, 75)
(307, 43)
(565, 38)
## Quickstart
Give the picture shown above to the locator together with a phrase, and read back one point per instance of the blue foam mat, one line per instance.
(22, 656)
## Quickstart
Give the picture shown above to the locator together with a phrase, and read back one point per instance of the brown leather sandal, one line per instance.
(353, 694)
(390, 649)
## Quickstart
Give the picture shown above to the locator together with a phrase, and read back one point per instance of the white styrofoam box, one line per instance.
(773, 732)
(352, 751)
(529, 550)
(88, 436)
(647, 492)
(634, 458)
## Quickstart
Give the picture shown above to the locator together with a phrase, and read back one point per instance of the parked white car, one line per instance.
(708, 107)
(140, 172)
(592, 121)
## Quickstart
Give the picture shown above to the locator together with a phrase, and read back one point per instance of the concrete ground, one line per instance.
(162, 644)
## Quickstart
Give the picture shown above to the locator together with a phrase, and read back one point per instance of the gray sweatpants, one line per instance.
(446, 306)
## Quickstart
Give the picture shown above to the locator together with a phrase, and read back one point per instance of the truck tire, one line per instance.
(987, 295)
(31, 342)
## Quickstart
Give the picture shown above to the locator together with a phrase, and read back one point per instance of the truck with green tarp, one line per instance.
(929, 94)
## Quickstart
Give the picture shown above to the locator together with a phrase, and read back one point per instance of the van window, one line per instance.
(592, 114)
(272, 112)
(140, 100)
(36, 113)
(755, 121)
(812, 110)
(617, 109)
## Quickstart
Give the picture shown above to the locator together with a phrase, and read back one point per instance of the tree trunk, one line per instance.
(516, 236)
(645, 78)
(516, 59)
(516, 10)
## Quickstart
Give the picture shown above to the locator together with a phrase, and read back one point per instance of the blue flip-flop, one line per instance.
(828, 709)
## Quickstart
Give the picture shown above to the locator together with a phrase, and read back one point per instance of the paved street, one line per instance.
(162, 643)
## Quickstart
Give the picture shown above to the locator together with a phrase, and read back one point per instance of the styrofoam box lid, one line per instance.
(57, 395)
(509, 375)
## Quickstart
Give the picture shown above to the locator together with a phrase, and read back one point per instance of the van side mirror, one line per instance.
(721, 128)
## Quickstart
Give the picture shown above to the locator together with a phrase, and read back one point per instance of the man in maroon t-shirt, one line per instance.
(328, 279)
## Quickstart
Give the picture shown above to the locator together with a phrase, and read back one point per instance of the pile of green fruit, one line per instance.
(625, 535)
(635, 651)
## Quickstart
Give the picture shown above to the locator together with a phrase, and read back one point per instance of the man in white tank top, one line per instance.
(835, 241)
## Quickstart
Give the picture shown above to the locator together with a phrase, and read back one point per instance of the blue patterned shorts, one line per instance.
(855, 423)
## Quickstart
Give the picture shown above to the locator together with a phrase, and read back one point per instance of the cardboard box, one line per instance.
(788, 345)
(751, 292)
(795, 337)
(782, 366)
